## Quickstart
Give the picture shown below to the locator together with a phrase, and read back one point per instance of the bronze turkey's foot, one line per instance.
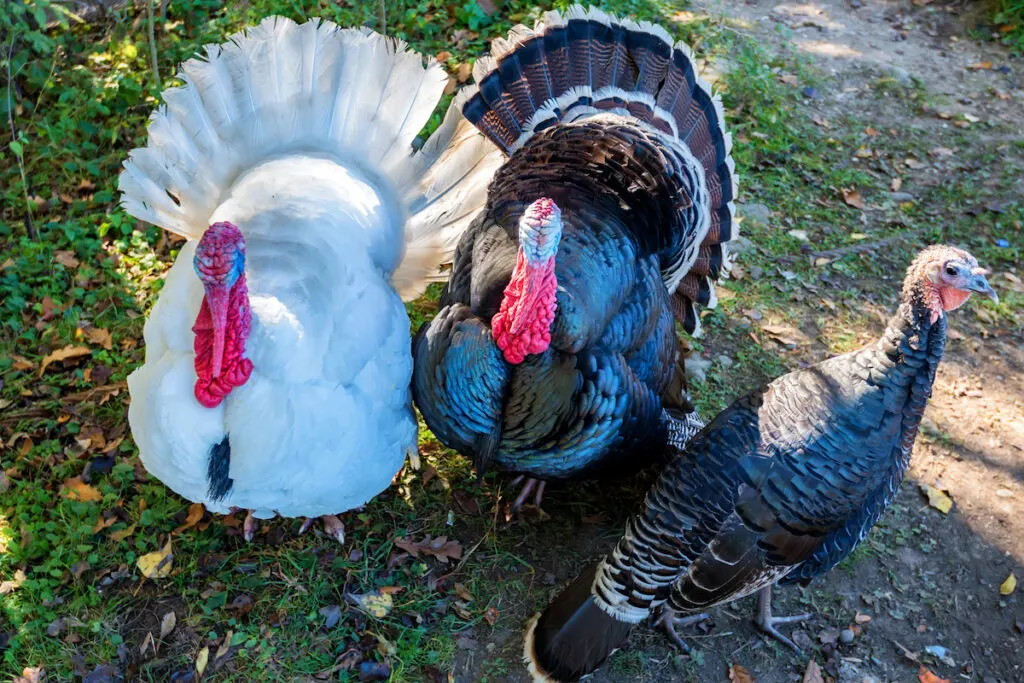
(249, 527)
(767, 623)
(529, 484)
(333, 527)
(670, 622)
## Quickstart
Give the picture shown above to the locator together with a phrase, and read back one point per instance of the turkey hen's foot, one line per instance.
(536, 486)
(766, 622)
(249, 527)
(333, 527)
(669, 622)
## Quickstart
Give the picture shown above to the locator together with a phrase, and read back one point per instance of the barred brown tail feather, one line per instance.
(573, 636)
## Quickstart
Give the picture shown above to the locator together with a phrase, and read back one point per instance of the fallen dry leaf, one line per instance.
(202, 660)
(121, 534)
(76, 489)
(225, 647)
(100, 337)
(464, 71)
(853, 198)
(11, 585)
(491, 616)
(167, 624)
(979, 66)
(896, 184)
(871, 132)
(157, 565)
(195, 513)
(926, 676)
(66, 258)
(737, 674)
(68, 352)
(439, 547)
(31, 674)
(1008, 586)
(21, 363)
(938, 499)
(813, 673)
(148, 643)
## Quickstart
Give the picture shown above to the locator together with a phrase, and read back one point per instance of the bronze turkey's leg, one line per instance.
(670, 622)
(767, 623)
(535, 485)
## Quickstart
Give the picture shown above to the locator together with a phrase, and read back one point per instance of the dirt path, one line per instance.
(924, 588)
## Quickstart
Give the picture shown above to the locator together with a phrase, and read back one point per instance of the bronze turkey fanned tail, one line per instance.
(585, 62)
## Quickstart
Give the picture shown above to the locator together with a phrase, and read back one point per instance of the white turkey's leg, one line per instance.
(249, 527)
(766, 622)
(334, 527)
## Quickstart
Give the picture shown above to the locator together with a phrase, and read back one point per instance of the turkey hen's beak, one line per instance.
(980, 285)
(217, 300)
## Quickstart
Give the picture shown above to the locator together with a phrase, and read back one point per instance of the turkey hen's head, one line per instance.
(522, 324)
(943, 278)
(224, 318)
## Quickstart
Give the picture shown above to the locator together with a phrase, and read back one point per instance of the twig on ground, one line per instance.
(30, 228)
(852, 249)
(383, 19)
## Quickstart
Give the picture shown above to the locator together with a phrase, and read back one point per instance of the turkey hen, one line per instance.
(778, 488)
(554, 354)
(278, 356)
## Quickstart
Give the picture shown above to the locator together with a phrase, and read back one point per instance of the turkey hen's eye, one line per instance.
(950, 270)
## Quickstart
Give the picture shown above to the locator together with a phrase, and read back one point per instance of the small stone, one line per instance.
(725, 361)
(755, 272)
(758, 213)
(846, 636)
(901, 196)
(902, 76)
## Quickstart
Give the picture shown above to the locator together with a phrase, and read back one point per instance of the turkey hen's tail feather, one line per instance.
(574, 635)
(585, 62)
(284, 88)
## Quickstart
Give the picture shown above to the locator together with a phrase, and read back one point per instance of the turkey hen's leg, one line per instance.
(670, 622)
(529, 484)
(767, 623)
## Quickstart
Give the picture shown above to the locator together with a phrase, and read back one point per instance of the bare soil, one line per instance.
(924, 578)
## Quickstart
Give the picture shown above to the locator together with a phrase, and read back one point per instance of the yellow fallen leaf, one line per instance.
(66, 353)
(202, 659)
(158, 565)
(375, 604)
(1008, 586)
(853, 198)
(938, 499)
(76, 489)
(225, 646)
(118, 536)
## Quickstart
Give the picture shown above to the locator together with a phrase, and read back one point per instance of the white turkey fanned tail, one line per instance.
(350, 95)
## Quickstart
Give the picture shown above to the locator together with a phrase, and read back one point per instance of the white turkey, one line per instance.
(278, 355)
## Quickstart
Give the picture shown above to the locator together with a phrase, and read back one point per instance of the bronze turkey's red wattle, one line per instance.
(522, 324)
(222, 326)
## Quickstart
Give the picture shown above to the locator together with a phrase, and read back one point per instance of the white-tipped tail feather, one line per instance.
(316, 89)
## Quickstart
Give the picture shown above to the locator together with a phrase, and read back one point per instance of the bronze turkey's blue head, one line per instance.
(224, 318)
(522, 324)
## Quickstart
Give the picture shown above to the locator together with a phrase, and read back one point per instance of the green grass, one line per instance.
(80, 98)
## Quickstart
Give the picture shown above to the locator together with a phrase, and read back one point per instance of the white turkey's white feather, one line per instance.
(301, 136)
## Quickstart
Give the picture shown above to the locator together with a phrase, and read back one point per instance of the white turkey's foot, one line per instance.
(334, 528)
(529, 485)
(249, 527)
(767, 623)
(670, 622)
